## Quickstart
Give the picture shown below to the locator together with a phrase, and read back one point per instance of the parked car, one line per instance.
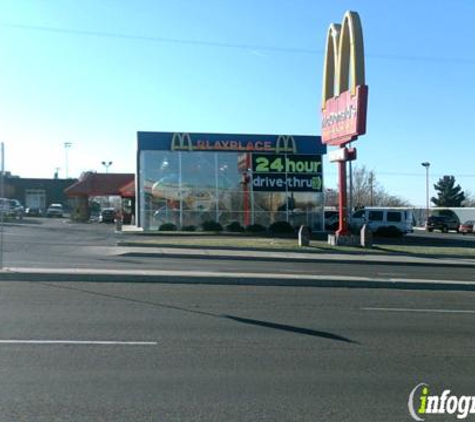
(33, 212)
(467, 227)
(332, 220)
(16, 209)
(55, 210)
(107, 215)
(444, 223)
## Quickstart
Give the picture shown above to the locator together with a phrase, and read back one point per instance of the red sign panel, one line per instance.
(344, 117)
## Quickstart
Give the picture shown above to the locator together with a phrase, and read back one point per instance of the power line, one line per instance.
(253, 47)
(385, 173)
(149, 38)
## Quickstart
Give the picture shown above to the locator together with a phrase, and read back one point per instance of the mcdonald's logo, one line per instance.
(344, 107)
(285, 143)
(181, 142)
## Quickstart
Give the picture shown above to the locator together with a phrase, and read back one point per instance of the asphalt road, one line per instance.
(162, 352)
(222, 353)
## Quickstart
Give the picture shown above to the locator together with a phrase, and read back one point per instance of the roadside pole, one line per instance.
(2, 211)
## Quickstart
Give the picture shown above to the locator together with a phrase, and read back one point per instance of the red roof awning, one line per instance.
(100, 184)
(128, 190)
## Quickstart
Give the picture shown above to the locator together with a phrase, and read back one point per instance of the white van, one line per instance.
(383, 218)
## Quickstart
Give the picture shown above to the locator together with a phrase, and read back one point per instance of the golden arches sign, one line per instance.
(285, 143)
(181, 141)
(344, 107)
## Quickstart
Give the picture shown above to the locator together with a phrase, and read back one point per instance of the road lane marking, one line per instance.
(82, 342)
(439, 311)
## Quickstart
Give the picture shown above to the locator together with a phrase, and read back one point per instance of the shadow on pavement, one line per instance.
(266, 324)
(430, 240)
(290, 328)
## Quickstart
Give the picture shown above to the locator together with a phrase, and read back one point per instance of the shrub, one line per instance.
(167, 227)
(255, 228)
(189, 228)
(235, 227)
(390, 231)
(212, 226)
(281, 227)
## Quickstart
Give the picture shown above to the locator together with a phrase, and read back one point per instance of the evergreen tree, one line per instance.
(448, 195)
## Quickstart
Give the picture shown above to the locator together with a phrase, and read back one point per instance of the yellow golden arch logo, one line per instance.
(181, 141)
(344, 50)
(285, 143)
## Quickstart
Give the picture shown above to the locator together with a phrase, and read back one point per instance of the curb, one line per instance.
(231, 279)
(353, 259)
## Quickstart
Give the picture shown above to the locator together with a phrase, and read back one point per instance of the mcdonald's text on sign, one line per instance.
(344, 117)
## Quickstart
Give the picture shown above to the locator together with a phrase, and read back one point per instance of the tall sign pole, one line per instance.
(343, 106)
(2, 204)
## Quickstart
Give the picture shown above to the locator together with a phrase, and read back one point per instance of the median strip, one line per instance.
(436, 311)
(80, 342)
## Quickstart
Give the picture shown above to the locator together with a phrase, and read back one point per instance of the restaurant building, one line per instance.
(189, 178)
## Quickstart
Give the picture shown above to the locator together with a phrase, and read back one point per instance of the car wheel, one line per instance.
(430, 230)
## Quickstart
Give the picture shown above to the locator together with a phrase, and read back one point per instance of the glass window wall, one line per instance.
(189, 188)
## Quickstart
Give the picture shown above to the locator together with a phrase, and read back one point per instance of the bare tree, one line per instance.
(469, 199)
(367, 191)
(331, 198)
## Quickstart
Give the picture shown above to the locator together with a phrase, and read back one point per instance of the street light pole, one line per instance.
(426, 164)
(2, 204)
(67, 145)
(107, 164)
(371, 181)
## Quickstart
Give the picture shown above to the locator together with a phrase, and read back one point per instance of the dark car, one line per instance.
(332, 220)
(107, 215)
(443, 223)
(467, 227)
(16, 209)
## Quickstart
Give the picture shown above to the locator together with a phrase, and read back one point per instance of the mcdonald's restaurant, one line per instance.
(187, 179)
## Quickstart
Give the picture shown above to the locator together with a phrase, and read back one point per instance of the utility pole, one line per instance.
(426, 165)
(371, 181)
(2, 204)
(67, 145)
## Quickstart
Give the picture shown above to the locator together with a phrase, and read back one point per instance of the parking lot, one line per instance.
(53, 242)
(57, 242)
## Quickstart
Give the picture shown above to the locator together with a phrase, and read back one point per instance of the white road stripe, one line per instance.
(439, 311)
(82, 342)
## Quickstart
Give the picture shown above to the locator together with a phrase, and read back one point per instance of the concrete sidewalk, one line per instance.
(295, 256)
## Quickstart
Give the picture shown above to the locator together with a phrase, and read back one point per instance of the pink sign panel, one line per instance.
(344, 117)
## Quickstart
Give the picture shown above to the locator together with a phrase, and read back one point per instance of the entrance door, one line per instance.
(35, 198)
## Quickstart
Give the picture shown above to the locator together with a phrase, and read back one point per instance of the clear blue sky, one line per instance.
(93, 73)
